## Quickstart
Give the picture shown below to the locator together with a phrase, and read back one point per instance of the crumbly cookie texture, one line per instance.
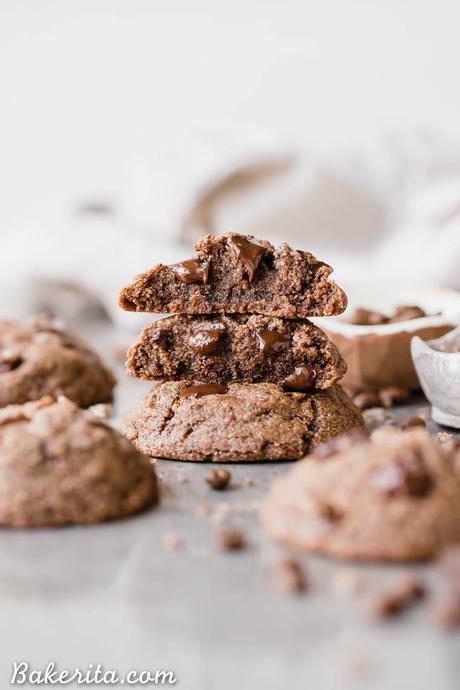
(40, 358)
(238, 274)
(241, 348)
(62, 465)
(236, 423)
(393, 497)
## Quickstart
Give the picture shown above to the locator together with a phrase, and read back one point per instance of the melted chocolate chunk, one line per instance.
(273, 342)
(302, 379)
(206, 339)
(191, 271)
(405, 477)
(10, 364)
(249, 251)
(206, 389)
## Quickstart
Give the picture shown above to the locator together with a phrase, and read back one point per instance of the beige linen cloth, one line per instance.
(387, 209)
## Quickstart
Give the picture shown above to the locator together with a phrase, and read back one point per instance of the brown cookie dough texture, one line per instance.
(238, 274)
(62, 465)
(240, 422)
(230, 349)
(393, 497)
(38, 358)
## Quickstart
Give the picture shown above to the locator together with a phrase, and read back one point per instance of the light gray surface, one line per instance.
(113, 594)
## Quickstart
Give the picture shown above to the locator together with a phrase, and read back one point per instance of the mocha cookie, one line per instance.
(238, 274)
(243, 349)
(237, 423)
(61, 465)
(394, 497)
(39, 358)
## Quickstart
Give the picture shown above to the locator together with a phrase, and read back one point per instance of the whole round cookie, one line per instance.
(39, 358)
(62, 465)
(236, 423)
(393, 497)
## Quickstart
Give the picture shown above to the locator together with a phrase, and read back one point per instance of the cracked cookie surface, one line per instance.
(62, 465)
(393, 497)
(230, 349)
(40, 358)
(238, 274)
(236, 423)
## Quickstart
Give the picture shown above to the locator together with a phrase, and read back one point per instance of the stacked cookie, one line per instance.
(243, 374)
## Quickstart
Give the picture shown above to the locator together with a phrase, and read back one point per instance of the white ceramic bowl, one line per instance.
(439, 375)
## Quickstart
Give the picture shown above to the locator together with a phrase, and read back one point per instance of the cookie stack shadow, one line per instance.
(240, 373)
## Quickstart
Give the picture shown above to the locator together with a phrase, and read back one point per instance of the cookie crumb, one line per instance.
(289, 576)
(172, 541)
(203, 510)
(402, 594)
(218, 479)
(347, 582)
(231, 539)
(413, 421)
(250, 481)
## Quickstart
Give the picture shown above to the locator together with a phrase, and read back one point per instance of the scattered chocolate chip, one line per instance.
(393, 395)
(302, 379)
(10, 364)
(205, 389)
(206, 339)
(249, 251)
(407, 313)
(403, 593)
(413, 421)
(366, 317)
(231, 539)
(218, 479)
(367, 399)
(341, 443)
(191, 271)
(273, 342)
(289, 576)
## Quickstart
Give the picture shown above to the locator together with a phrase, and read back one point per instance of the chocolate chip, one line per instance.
(413, 421)
(191, 271)
(341, 443)
(231, 539)
(206, 339)
(289, 576)
(273, 342)
(249, 251)
(329, 513)
(407, 313)
(10, 364)
(403, 593)
(406, 476)
(218, 479)
(393, 395)
(367, 399)
(365, 317)
(302, 379)
(205, 389)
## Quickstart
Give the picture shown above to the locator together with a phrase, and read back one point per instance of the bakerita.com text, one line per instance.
(93, 674)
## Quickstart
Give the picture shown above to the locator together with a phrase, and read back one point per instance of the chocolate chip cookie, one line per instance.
(236, 423)
(40, 358)
(62, 465)
(241, 348)
(238, 274)
(393, 497)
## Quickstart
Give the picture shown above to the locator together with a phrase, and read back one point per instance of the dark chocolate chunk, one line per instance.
(272, 342)
(206, 389)
(302, 379)
(249, 251)
(191, 271)
(218, 479)
(9, 364)
(206, 339)
(406, 477)
(231, 539)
